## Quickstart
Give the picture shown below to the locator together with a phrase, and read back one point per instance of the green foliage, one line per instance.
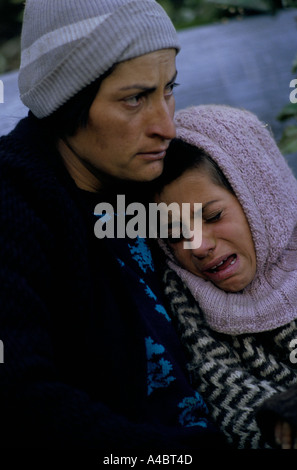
(186, 13)
(288, 141)
(258, 5)
(11, 15)
(289, 111)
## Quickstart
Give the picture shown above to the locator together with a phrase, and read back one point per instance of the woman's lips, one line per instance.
(222, 269)
(153, 155)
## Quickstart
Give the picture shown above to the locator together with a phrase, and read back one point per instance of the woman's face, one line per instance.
(226, 255)
(130, 124)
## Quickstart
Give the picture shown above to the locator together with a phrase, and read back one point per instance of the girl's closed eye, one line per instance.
(214, 217)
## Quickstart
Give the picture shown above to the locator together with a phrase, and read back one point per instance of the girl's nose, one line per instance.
(208, 244)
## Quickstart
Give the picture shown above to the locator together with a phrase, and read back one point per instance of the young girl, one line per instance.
(234, 297)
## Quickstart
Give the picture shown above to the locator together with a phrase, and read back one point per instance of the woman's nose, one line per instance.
(162, 123)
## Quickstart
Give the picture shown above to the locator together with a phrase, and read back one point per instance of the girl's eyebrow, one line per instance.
(208, 204)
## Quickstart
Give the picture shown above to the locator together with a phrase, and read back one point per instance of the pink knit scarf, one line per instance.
(247, 154)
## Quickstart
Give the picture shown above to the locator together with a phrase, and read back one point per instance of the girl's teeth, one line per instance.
(214, 269)
(217, 265)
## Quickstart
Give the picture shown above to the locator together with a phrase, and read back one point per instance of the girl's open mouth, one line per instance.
(229, 261)
(224, 269)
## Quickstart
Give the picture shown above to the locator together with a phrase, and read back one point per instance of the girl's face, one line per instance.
(226, 255)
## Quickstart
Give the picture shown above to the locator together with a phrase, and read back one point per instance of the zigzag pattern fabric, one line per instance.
(234, 374)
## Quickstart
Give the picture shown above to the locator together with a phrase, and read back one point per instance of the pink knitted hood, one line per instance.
(265, 186)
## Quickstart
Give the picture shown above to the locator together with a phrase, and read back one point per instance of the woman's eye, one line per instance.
(215, 217)
(133, 101)
(170, 88)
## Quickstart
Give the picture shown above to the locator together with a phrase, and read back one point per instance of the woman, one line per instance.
(91, 359)
(234, 295)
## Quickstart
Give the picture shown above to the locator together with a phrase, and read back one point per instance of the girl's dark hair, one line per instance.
(181, 157)
(74, 113)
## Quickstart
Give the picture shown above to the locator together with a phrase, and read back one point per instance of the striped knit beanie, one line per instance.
(67, 44)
